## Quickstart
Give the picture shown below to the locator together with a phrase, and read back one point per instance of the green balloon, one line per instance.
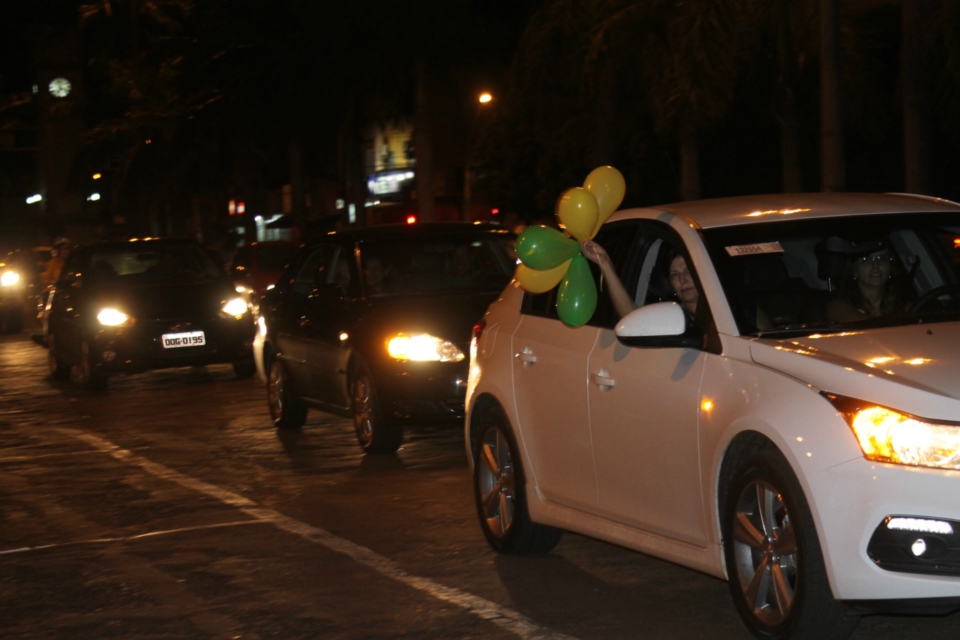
(577, 298)
(545, 248)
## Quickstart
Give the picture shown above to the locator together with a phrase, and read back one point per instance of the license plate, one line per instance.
(188, 339)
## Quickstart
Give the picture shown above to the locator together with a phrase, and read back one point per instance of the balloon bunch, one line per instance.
(548, 256)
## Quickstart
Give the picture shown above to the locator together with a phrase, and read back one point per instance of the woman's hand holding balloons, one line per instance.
(549, 257)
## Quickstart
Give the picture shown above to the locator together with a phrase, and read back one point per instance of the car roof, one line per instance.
(724, 212)
(417, 230)
(146, 244)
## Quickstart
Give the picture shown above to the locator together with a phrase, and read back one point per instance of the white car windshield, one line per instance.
(833, 274)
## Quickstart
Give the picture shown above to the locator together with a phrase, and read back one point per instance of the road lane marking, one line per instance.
(507, 619)
(139, 536)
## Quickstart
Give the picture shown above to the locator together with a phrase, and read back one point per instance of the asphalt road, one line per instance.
(168, 507)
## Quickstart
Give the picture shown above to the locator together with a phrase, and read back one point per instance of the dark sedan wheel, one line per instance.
(776, 572)
(59, 370)
(374, 434)
(499, 490)
(91, 377)
(286, 410)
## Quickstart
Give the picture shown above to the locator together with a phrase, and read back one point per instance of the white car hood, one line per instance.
(915, 369)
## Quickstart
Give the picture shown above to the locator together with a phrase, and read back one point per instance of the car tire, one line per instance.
(59, 370)
(245, 369)
(286, 410)
(500, 492)
(92, 378)
(775, 565)
(374, 434)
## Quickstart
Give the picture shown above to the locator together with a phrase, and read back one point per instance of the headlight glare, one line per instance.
(112, 318)
(423, 348)
(235, 307)
(9, 278)
(886, 435)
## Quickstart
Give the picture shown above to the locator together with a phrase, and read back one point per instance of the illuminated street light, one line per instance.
(97, 176)
(34, 198)
(93, 197)
(485, 98)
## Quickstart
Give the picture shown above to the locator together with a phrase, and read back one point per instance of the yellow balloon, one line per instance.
(537, 281)
(607, 186)
(578, 212)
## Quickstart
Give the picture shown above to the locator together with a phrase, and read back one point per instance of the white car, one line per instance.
(797, 435)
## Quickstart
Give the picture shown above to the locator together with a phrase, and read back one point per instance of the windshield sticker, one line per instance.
(754, 249)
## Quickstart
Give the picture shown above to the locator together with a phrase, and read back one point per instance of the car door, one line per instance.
(644, 408)
(64, 316)
(550, 362)
(327, 324)
(291, 318)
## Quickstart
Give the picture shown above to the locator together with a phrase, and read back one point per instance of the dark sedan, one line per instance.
(127, 307)
(378, 322)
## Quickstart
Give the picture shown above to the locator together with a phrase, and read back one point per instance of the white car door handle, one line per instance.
(527, 357)
(603, 380)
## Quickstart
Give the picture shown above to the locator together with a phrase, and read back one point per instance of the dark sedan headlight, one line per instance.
(9, 278)
(234, 308)
(110, 317)
(423, 347)
(886, 435)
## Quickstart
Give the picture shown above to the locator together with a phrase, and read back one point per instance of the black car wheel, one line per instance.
(286, 410)
(93, 379)
(499, 489)
(59, 370)
(374, 434)
(774, 563)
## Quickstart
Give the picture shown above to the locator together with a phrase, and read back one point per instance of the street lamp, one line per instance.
(483, 99)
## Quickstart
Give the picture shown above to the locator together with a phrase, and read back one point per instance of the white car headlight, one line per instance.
(9, 278)
(886, 435)
(112, 318)
(423, 348)
(235, 307)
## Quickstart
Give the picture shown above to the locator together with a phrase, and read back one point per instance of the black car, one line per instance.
(378, 322)
(128, 307)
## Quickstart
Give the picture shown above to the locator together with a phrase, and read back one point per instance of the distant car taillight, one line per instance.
(478, 329)
(475, 340)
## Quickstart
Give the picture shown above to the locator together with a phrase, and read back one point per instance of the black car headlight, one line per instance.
(887, 435)
(110, 317)
(423, 347)
(234, 308)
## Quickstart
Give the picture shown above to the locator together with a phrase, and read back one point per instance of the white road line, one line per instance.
(139, 536)
(505, 618)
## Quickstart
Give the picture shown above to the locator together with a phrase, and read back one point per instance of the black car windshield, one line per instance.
(144, 263)
(275, 257)
(836, 274)
(427, 265)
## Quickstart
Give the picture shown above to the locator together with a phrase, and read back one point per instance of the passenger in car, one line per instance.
(677, 272)
(868, 289)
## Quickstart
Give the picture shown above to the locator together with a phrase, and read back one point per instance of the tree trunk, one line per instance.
(915, 92)
(785, 104)
(832, 166)
(296, 181)
(423, 143)
(689, 166)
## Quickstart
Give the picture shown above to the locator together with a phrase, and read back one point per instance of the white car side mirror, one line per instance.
(662, 324)
(658, 319)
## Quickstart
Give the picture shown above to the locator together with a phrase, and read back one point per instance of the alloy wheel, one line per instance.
(765, 548)
(275, 391)
(364, 415)
(497, 482)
